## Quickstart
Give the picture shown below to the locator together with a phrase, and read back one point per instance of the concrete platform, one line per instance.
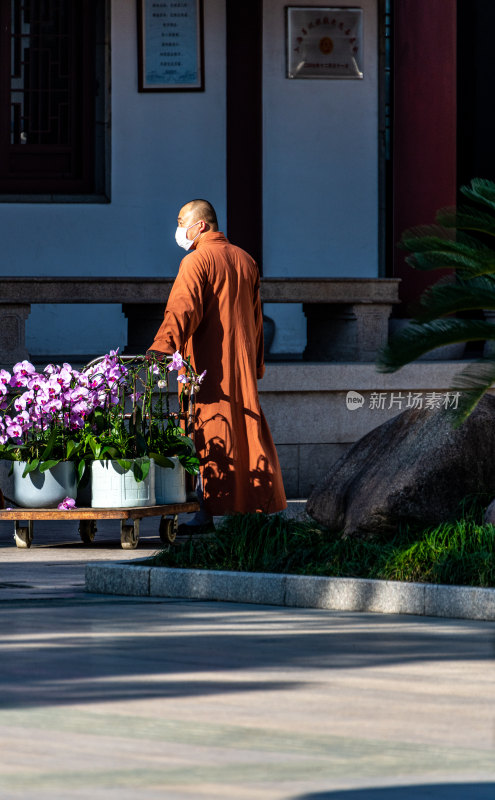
(125, 698)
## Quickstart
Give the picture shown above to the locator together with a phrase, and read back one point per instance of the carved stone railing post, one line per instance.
(346, 332)
(13, 318)
(372, 329)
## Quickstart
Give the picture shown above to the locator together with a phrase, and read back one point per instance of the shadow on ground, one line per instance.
(443, 791)
(108, 649)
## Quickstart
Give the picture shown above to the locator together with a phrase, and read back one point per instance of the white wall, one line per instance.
(166, 149)
(320, 169)
(320, 165)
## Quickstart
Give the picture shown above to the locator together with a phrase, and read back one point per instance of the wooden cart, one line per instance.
(24, 519)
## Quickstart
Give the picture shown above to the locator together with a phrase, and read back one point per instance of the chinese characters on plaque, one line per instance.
(170, 45)
(324, 42)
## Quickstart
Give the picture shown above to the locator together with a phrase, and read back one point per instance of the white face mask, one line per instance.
(181, 236)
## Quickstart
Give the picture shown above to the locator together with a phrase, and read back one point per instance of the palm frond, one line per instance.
(472, 383)
(477, 263)
(481, 191)
(450, 296)
(468, 219)
(420, 338)
(452, 243)
(428, 237)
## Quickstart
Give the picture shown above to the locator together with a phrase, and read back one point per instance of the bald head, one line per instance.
(199, 209)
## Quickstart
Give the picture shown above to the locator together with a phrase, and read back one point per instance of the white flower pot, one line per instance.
(170, 484)
(114, 487)
(44, 489)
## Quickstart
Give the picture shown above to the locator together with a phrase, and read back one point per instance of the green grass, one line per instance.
(460, 553)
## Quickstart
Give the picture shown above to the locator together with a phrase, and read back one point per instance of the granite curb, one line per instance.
(297, 591)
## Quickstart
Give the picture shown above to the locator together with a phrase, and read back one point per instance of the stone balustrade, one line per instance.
(347, 318)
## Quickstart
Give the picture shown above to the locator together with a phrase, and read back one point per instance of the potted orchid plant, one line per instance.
(174, 452)
(62, 420)
(43, 415)
(136, 441)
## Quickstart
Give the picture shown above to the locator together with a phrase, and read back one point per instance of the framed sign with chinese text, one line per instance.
(170, 45)
(324, 42)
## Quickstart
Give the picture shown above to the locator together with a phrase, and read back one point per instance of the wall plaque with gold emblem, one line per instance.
(324, 42)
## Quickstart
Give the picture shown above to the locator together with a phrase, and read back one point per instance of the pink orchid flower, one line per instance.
(69, 504)
(14, 430)
(36, 382)
(177, 361)
(50, 369)
(53, 387)
(23, 419)
(24, 367)
(64, 378)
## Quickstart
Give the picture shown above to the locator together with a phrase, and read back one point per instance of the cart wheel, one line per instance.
(87, 530)
(168, 529)
(129, 535)
(23, 535)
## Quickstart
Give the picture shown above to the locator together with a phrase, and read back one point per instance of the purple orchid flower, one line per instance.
(23, 419)
(36, 382)
(64, 378)
(69, 504)
(177, 361)
(53, 387)
(24, 368)
(14, 430)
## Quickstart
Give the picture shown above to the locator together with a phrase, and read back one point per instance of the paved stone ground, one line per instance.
(140, 699)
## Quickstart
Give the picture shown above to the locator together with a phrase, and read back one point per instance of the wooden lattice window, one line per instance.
(47, 96)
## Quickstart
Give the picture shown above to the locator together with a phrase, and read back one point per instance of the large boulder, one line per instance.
(416, 468)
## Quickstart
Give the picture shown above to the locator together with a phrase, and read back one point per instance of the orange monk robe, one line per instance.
(214, 315)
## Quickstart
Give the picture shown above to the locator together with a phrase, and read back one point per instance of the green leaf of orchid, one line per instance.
(145, 465)
(72, 449)
(46, 465)
(80, 469)
(31, 466)
(162, 461)
(50, 445)
(112, 452)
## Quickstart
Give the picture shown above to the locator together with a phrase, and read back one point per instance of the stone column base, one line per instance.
(144, 319)
(346, 332)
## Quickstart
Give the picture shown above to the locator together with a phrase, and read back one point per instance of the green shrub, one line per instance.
(460, 553)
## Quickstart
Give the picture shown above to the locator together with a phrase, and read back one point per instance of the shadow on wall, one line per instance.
(441, 791)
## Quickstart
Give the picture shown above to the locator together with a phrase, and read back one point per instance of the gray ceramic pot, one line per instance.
(44, 489)
(170, 484)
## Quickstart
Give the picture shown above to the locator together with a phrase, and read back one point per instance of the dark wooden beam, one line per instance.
(244, 126)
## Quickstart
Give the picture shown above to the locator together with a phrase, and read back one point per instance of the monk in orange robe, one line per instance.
(214, 316)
